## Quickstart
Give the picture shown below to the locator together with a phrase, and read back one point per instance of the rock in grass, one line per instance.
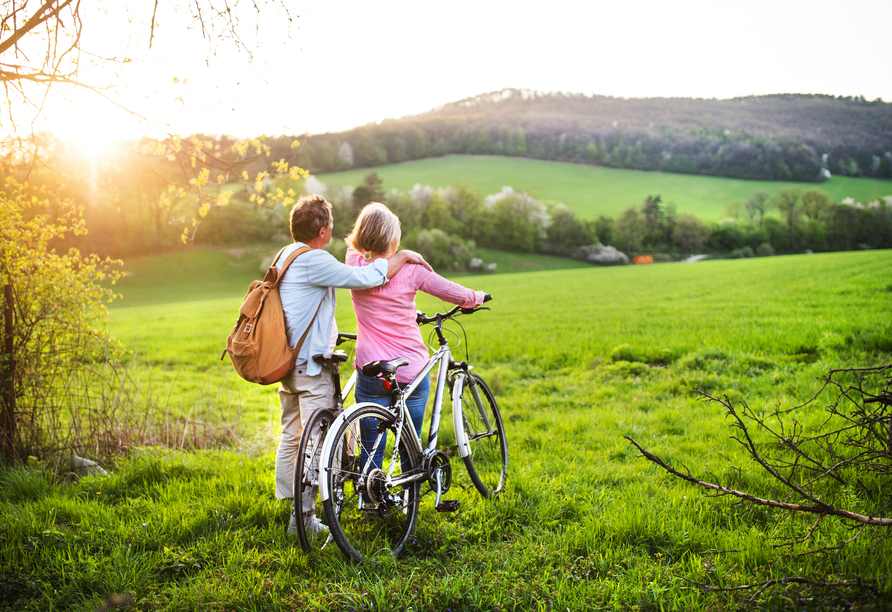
(83, 467)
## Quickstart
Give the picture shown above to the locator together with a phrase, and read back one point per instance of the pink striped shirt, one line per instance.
(385, 315)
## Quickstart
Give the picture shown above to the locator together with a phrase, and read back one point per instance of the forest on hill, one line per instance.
(790, 137)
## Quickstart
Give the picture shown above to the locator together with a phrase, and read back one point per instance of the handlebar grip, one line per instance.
(344, 338)
(487, 297)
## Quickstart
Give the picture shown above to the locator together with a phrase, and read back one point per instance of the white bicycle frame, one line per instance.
(443, 358)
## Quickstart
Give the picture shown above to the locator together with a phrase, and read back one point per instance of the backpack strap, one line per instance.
(297, 253)
(300, 342)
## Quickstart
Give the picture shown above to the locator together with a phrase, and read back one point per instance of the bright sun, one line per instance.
(93, 126)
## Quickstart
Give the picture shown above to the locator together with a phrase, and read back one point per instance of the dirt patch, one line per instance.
(532, 264)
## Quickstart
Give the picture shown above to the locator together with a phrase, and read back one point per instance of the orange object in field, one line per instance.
(642, 259)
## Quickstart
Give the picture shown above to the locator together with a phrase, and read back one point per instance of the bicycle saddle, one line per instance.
(387, 369)
(333, 358)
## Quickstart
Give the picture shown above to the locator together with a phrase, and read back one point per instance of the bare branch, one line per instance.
(40, 16)
(152, 30)
(817, 509)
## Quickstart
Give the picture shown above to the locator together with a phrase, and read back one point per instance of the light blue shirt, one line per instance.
(309, 280)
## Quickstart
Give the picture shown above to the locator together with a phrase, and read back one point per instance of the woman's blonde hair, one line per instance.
(376, 230)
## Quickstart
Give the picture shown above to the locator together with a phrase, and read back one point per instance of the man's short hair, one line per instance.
(309, 215)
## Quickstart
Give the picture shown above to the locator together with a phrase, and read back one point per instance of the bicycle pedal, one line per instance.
(448, 505)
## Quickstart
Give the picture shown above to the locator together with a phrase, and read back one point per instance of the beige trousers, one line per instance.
(300, 396)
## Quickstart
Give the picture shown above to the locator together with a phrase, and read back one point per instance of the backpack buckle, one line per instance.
(249, 327)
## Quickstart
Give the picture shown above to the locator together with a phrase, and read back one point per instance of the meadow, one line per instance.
(591, 191)
(578, 358)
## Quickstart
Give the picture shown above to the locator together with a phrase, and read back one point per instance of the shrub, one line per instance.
(443, 251)
(60, 318)
(765, 250)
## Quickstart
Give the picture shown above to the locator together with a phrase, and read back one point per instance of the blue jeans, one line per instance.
(371, 389)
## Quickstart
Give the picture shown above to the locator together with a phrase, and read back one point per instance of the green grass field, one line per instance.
(578, 358)
(594, 190)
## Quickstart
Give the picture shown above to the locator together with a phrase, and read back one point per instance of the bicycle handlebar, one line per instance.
(423, 319)
(342, 338)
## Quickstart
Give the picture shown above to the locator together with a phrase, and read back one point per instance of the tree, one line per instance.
(464, 206)
(58, 334)
(815, 204)
(369, 191)
(567, 231)
(733, 210)
(628, 228)
(602, 229)
(653, 220)
(690, 233)
(442, 250)
(787, 202)
(42, 48)
(670, 216)
(42, 52)
(757, 206)
(519, 221)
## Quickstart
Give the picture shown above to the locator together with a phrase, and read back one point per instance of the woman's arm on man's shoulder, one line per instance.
(397, 261)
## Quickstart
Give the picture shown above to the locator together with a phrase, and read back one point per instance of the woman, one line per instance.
(385, 315)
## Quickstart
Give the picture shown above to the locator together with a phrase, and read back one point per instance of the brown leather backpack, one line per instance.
(258, 344)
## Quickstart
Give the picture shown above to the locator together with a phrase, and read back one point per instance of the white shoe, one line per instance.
(315, 528)
(292, 525)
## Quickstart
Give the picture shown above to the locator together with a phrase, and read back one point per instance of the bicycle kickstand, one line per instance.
(447, 505)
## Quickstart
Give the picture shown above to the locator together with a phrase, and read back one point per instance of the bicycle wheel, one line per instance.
(306, 472)
(487, 463)
(371, 508)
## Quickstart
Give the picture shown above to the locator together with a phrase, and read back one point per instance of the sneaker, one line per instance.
(315, 528)
(292, 525)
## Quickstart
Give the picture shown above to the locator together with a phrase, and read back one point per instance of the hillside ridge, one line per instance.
(799, 137)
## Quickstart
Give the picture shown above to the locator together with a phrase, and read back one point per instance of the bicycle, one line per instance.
(371, 508)
(306, 471)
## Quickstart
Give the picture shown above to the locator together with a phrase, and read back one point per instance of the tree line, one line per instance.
(139, 201)
(804, 138)
(447, 224)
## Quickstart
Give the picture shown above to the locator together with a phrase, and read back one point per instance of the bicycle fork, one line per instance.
(460, 422)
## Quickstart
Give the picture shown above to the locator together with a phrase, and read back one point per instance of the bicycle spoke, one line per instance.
(367, 514)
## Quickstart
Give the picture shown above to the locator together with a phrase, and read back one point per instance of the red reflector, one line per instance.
(386, 384)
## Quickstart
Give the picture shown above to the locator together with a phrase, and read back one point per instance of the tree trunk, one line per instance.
(7, 378)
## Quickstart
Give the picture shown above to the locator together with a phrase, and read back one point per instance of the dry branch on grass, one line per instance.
(761, 587)
(851, 447)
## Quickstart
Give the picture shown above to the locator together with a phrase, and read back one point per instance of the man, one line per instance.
(309, 284)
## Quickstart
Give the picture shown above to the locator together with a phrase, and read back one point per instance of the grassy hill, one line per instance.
(593, 190)
(775, 137)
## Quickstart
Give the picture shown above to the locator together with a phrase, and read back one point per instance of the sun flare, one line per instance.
(93, 127)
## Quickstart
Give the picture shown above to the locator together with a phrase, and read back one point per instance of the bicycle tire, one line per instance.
(487, 463)
(309, 449)
(365, 525)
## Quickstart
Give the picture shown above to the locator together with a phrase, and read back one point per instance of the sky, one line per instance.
(339, 64)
